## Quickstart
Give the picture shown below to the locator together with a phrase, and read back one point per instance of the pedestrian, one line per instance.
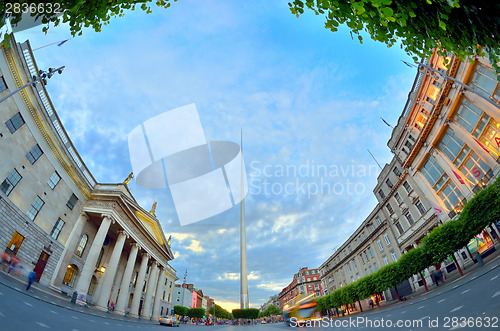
(112, 306)
(377, 300)
(370, 302)
(13, 264)
(31, 279)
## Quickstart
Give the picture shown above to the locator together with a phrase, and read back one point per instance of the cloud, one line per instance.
(272, 286)
(180, 237)
(230, 276)
(195, 246)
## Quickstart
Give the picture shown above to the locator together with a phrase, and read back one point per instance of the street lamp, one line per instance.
(42, 75)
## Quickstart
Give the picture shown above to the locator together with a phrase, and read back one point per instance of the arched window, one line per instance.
(81, 246)
(70, 276)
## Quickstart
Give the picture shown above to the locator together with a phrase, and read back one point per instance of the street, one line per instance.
(476, 295)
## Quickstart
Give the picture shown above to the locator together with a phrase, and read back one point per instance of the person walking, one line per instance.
(31, 279)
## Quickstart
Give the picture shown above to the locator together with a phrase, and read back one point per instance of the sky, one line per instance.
(308, 100)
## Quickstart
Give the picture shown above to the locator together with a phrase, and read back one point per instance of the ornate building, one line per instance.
(77, 234)
(446, 146)
(306, 281)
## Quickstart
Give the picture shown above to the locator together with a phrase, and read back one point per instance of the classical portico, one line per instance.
(117, 253)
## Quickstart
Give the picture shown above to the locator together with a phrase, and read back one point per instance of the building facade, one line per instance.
(183, 295)
(77, 234)
(306, 281)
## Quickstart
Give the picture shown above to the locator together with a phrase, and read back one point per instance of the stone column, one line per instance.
(159, 292)
(110, 273)
(148, 298)
(122, 300)
(67, 254)
(93, 255)
(134, 309)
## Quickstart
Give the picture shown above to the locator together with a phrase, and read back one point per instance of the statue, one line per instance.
(153, 208)
(169, 240)
(129, 178)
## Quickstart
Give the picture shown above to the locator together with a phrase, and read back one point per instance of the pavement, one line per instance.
(43, 293)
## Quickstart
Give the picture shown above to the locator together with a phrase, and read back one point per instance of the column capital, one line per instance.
(109, 216)
(134, 244)
(123, 232)
(145, 254)
(84, 215)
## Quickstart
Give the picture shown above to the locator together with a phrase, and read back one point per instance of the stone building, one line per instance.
(446, 146)
(305, 282)
(77, 234)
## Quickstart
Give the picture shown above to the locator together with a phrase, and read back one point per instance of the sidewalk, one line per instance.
(470, 274)
(43, 293)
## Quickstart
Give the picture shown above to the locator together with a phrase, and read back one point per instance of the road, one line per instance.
(476, 295)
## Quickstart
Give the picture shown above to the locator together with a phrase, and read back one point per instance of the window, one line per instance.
(10, 182)
(386, 261)
(389, 183)
(72, 201)
(393, 255)
(354, 264)
(35, 208)
(389, 208)
(367, 259)
(381, 193)
(53, 180)
(386, 237)
(399, 227)
(349, 266)
(99, 258)
(362, 260)
(373, 227)
(375, 266)
(430, 100)
(420, 207)
(70, 276)
(379, 243)
(379, 221)
(396, 171)
(34, 154)
(57, 228)
(469, 116)
(81, 245)
(398, 198)
(3, 86)
(370, 250)
(15, 242)
(409, 218)
(371, 269)
(474, 168)
(451, 145)
(484, 80)
(15, 122)
(407, 187)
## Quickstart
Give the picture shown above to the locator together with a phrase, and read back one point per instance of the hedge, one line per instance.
(444, 240)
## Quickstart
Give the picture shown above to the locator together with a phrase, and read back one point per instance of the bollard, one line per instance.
(73, 298)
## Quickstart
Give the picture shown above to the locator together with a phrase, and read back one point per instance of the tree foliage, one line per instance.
(181, 310)
(220, 312)
(196, 312)
(479, 212)
(78, 13)
(459, 26)
(271, 310)
(248, 313)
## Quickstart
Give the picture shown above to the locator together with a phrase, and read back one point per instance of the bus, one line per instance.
(300, 309)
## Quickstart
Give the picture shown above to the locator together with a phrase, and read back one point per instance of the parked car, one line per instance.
(169, 321)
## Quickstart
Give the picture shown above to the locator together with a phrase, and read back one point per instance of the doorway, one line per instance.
(40, 265)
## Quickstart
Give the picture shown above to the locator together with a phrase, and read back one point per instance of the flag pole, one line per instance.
(60, 43)
(374, 159)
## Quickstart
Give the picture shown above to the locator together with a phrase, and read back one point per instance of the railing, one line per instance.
(53, 118)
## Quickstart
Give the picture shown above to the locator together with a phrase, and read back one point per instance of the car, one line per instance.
(263, 322)
(169, 321)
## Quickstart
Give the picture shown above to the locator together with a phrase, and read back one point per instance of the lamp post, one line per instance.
(42, 75)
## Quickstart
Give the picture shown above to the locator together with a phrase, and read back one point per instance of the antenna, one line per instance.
(374, 158)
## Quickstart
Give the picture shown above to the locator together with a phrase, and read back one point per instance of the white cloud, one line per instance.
(195, 246)
(230, 276)
(272, 286)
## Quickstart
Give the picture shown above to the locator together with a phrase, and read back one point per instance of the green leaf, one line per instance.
(442, 25)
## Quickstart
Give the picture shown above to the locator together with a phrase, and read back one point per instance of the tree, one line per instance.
(197, 312)
(77, 13)
(459, 26)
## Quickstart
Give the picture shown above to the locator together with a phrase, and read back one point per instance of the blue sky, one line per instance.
(308, 101)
